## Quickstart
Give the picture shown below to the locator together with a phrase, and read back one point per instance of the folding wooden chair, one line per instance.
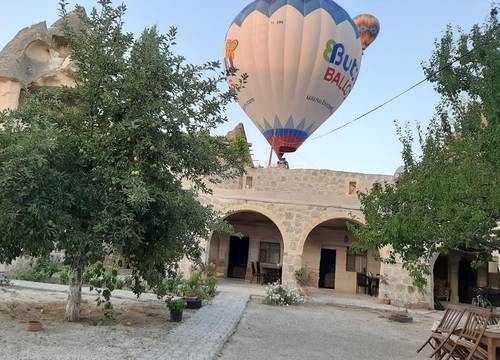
(256, 274)
(446, 327)
(466, 346)
(263, 276)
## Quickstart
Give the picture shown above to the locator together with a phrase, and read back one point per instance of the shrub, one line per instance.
(64, 275)
(198, 286)
(103, 280)
(42, 271)
(211, 286)
(303, 276)
(193, 287)
(277, 294)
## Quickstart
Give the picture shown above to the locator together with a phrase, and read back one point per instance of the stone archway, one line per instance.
(454, 279)
(326, 250)
(255, 238)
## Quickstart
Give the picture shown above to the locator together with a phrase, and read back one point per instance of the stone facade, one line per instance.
(297, 202)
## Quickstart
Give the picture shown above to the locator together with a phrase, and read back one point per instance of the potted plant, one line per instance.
(176, 307)
(387, 301)
(192, 291)
(304, 279)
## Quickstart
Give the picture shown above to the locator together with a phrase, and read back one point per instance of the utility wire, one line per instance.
(427, 78)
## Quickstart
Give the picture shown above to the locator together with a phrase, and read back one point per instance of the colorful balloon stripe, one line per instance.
(305, 7)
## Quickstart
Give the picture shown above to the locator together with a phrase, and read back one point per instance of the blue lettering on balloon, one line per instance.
(347, 65)
(338, 50)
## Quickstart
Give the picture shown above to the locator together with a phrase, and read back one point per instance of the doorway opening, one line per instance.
(467, 281)
(327, 269)
(238, 257)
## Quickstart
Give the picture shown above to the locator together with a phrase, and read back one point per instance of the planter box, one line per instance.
(193, 303)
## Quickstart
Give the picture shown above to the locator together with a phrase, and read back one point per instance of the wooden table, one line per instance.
(272, 271)
(491, 339)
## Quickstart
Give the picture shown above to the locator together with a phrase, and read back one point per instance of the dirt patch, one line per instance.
(138, 327)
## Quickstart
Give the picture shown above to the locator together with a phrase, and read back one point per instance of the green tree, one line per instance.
(448, 198)
(101, 168)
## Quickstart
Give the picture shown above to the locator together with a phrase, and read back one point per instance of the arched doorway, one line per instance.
(254, 241)
(456, 277)
(330, 255)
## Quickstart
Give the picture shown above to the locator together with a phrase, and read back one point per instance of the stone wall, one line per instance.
(402, 292)
(296, 201)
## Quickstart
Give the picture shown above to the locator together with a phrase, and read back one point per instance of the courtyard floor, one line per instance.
(328, 326)
(314, 331)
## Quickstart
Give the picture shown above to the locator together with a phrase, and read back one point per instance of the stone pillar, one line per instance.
(291, 263)
(453, 263)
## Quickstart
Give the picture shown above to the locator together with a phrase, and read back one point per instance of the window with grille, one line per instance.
(249, 182)
(356, 262)
(269, 253)
(353, 188)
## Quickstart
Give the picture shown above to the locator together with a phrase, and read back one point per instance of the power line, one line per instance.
(427, 78)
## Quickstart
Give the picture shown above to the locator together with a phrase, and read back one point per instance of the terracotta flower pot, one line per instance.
(33, 326)
(304, 291)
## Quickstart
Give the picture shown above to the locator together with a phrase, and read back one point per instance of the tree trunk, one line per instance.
(74, 292)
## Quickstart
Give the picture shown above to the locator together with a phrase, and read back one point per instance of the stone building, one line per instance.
(284, 219)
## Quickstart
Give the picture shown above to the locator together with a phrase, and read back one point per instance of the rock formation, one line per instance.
(37, 56)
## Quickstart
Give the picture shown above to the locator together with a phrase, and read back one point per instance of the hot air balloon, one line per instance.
(302, 58)
(369, 28)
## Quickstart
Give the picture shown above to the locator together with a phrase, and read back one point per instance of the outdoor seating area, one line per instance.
(465, 333)
(368, 283)
(264, 273)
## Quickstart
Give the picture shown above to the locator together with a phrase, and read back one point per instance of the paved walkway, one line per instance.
(204, 334)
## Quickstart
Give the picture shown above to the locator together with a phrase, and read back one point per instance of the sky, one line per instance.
(392, 64)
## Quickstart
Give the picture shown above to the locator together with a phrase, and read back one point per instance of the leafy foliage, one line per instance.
(449, 197)
(114, 164)
(176, 304)
(303, 276)
(199, 285)
(103, 281)
(43, 270)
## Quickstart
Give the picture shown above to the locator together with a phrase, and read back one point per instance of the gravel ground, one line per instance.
(139, 327)
(323, 332)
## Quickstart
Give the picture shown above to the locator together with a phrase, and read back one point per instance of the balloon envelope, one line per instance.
(369, 28)
(302, 58)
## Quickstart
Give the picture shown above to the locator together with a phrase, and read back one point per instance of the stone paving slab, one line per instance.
(204, 334)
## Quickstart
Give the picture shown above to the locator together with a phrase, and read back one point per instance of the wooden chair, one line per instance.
(361, 281)
(375, 286)
(259, 271)
(446, 327)
(466, 346)
(261, 277)
(256, 274)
